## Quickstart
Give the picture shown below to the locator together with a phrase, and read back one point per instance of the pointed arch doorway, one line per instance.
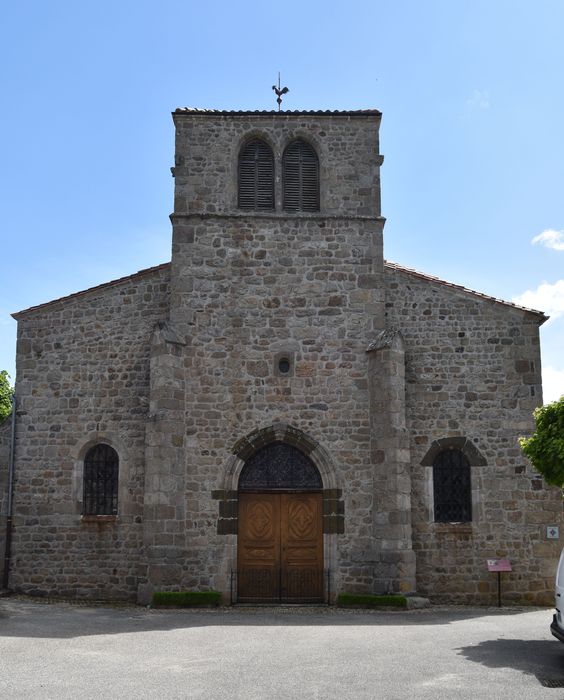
(280, 531)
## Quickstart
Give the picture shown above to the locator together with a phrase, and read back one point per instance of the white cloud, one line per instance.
(480, 100)
(552, 384)
(551, 239)
(546, 297)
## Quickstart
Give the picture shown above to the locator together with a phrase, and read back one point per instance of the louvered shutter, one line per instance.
(301, 177)
(256, 176)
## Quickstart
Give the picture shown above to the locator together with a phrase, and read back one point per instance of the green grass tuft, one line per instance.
(186, 599)
(360, 600)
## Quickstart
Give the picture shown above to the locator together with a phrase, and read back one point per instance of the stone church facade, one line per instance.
(279, 413)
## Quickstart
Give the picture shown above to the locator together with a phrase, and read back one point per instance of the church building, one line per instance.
(279, 413)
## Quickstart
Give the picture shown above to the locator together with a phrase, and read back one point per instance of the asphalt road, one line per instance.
(66, 651)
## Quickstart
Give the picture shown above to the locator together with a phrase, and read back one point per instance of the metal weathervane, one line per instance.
(279, 92)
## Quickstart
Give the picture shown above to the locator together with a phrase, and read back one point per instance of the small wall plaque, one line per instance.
(552, 532)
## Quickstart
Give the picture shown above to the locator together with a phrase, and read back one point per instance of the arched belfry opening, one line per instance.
(280, 527)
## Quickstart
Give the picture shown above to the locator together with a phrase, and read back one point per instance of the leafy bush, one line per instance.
(6, 392)
(545, 448)
(186, 599)
(357, 600)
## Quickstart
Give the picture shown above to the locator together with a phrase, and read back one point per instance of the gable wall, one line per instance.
(473, 370)
(82, 376)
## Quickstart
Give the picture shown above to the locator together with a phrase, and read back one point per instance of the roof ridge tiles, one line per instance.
(343, 112)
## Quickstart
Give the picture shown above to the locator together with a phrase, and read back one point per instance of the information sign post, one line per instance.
(499, 565)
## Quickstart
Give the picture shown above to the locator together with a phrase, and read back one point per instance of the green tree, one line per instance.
(545, 448)
(6, 392)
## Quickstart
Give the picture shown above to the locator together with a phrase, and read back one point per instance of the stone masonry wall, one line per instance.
(5, 435)
(207, 148)
(177, 368)
(473, 371)
(261, 289)
(83, 377)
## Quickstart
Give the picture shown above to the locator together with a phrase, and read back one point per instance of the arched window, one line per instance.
(279, 466)
(300, 167)
(256, 176)
(451, 487)
(101, 469)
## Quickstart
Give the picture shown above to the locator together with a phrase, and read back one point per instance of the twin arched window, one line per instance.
(100, 481)
(256, 176)
(452, 489)
(300, 177)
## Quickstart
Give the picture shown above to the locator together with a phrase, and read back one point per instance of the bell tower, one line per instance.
(276, 293)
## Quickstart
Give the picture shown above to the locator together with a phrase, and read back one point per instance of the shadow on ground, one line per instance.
(25, 618)
(543, 659)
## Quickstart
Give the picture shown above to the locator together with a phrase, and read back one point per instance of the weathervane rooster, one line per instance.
(279, 92)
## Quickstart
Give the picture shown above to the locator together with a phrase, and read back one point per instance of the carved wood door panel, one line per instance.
(280, 548)
(301, 547)
(258, 547)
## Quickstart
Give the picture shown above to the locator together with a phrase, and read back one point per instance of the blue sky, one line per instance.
(473, 110)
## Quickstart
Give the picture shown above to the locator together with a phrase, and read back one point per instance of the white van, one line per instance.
(557, 626)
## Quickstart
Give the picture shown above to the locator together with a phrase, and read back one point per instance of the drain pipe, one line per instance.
(9, 500)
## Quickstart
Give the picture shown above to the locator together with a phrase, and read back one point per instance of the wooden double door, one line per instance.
(280, 548)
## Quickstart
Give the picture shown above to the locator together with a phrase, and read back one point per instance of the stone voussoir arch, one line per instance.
(250, 444)
(466, 446)
(78, 454)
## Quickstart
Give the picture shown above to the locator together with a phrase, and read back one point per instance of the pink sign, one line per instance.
(499, 565)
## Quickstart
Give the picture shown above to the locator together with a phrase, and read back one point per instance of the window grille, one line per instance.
(452, 487)
(279, 466)
(101, 467)
(300, 167)
(256, 176)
